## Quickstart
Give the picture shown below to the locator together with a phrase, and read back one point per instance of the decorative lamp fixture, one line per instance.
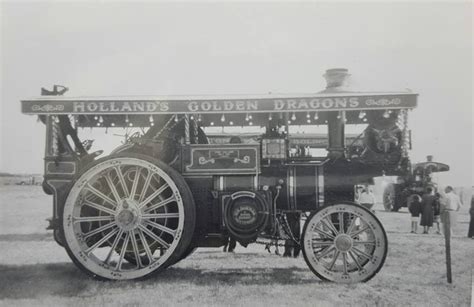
(293, 117)
(126, 119)
(247, 118)
(316, 116)
(231, 123)
(362, 114)
(101, 119)
(56, 119)
(112, 124)
(270, 116)
(223, 118)
(386, 114)
(308, 116)
(176, 119)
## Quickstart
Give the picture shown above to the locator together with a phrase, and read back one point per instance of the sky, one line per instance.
(151, 48)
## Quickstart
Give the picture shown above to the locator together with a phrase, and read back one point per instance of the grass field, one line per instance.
(35, 271)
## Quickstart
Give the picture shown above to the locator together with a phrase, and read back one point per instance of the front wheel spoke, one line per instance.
(162, 228)
(148, 252)
(93, 218)
(160, 216)
(341, 221)
(112, 187)
(98, 193)
(154, 236)
(100, 229)
(328, 223)
(363, 242)
(355, 260)
(352, 224)
(99, 207)
(153, 195)
(122, 252)
(336, 255)
(326, 252)
(135, 183)
(359, 231)
(361, 253)
(344, 262)
(122, 180)
(135, 249)
(113, 246)
(161, 203)
(101, 241)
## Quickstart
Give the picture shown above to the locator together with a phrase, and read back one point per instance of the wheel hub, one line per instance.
(128, 215)
(343, 243)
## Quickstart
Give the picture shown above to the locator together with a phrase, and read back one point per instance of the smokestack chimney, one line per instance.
(336, 78)
(429, 158)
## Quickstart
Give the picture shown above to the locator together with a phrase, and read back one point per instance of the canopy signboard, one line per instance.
(209, 105)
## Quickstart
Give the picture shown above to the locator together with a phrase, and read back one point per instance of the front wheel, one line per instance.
(126, 217)
(344, 243)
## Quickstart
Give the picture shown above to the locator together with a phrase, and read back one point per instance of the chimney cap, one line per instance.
(336, 78)
(336, 70)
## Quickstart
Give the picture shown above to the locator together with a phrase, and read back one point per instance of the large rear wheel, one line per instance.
(128, 216)
(344, 243)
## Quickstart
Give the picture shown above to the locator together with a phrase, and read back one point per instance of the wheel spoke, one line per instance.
(344, 262)
(145, 186)
(93, 219)
(148, 252)
(153, 195)
(162, 228)
(112, 188)
(135, 183)
(351, 225)
(135, 249)
(161, 203)
(99, 207)
(122, 181)
(328, 223)
(336, 255)
(98, 193)
(361, 253)
(160, 215)
(101, 241)
(325, 252)
(99, 229)
(323, 233)
(341, 221)
(154, 237)
(122, 252)
(359, 231)
(114, 245)
(364, 242)
(355, 260)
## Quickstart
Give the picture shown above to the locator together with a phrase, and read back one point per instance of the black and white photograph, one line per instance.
(236, 153)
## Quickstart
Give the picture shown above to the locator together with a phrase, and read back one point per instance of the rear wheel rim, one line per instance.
(354, 252)
(123, 208)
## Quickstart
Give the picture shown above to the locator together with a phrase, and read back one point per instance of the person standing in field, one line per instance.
(452, 206)
(470, 233)
(427, 202)
(367, 198)
(437, 212)
(415, 209)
